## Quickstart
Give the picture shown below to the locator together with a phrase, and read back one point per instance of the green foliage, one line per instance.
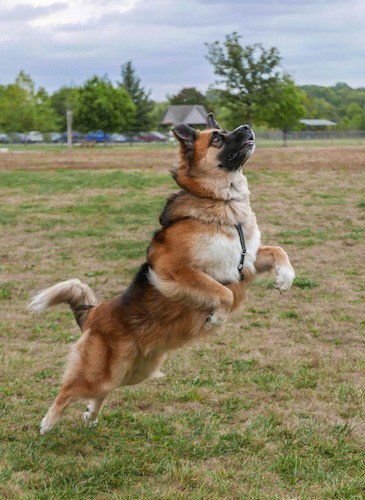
(156, 113)
(339, 103)
(141, 99)
(45, 118)
(23, 108)
(5, 291)
(248, 76)
(99, 105)
(63, 100)
(285, 111)
(188, 95)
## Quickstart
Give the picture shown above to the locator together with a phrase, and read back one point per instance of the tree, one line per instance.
(287, 108)
(188, 95)
(99, 105)
(156, 113)
(336, 103)
(16, 110)
(22, 108)
(248, 76)
(45, 117)
(62, 100)
(355, 117)
(141, 99)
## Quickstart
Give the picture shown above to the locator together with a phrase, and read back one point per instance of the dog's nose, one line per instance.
(243, 132)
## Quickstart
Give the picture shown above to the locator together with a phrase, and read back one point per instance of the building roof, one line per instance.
(184, 113)
(317, 122)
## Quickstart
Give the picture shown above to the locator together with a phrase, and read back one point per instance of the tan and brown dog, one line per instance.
(198, 267)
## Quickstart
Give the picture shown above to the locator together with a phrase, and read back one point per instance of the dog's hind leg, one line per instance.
(71, 391)
(93, 410)
(157, 373)
(79, 382)
(65, 397)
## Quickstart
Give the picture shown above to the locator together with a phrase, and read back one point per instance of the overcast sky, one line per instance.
(63, 42)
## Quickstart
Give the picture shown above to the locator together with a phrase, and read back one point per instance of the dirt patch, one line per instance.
(161, 160)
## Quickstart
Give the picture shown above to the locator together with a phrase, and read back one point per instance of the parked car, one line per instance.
(34, 137)
(119, 138)
(55, 137)
(133, 138)
(4, 139)
(16, 138)
(98, 136)
(76, 137)
(153, 137)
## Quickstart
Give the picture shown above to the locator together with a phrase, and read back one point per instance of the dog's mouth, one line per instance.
(243, 150)
(250, 141)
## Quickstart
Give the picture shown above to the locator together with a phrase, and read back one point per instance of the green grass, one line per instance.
(73, 181)
(5, 291)
(271, 407)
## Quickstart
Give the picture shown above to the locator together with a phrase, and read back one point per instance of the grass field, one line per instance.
(271, 408)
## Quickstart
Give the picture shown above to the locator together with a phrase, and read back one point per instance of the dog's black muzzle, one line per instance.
(238, 147)
(242, 134)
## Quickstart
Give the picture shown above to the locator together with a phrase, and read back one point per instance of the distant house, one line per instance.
(184, 113)
(317, 122)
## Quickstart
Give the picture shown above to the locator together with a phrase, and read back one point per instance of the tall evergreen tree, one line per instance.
(141, 98)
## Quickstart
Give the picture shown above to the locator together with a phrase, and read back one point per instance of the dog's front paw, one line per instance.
(284, 278)
(216, 318)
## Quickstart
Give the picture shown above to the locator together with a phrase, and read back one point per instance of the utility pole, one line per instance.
(69, 128)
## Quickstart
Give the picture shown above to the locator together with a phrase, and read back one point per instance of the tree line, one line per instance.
(251, 86)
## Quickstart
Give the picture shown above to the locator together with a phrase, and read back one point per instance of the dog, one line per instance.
(198, 267)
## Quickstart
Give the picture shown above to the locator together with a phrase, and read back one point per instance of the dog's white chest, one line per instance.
(219, 256)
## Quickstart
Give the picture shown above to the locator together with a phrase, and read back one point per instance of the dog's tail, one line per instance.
(77, 295)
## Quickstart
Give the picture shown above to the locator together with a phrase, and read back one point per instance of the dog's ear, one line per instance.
(184, 133)
(211, 121)
(186, 136)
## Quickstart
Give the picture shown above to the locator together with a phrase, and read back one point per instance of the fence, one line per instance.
(353, 136)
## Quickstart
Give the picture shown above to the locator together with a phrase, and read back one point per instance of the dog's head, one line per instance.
(211, 160)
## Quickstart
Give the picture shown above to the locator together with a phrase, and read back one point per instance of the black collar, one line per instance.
(243, 252)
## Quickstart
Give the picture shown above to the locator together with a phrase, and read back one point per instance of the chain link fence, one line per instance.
(310, 136)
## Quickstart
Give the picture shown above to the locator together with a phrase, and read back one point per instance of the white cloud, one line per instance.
(63, 41)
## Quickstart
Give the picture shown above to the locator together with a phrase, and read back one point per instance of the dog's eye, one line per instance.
(216, 141)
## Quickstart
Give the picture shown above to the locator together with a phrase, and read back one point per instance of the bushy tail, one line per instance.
(78, 295)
